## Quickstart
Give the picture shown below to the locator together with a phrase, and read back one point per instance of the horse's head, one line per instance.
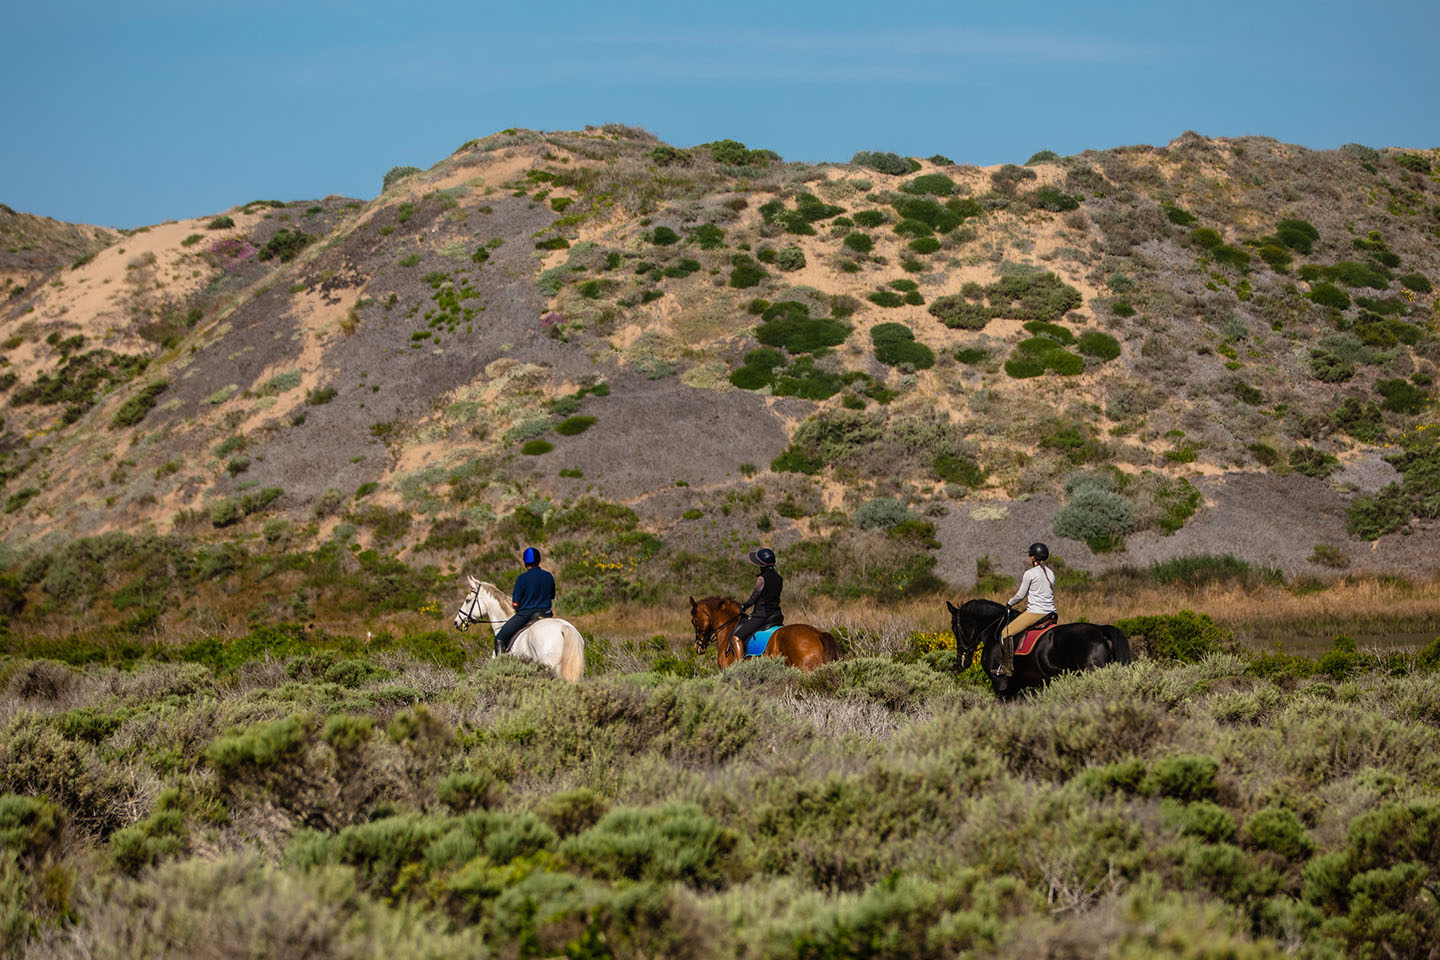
(700, 616)
(469, 611)
(970, 622)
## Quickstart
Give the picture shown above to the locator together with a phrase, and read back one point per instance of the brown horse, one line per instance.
(715, 619)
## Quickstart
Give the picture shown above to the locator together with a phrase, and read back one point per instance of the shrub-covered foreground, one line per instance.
(338, 802)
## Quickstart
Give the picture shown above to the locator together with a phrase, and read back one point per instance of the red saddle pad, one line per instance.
(1027, 642)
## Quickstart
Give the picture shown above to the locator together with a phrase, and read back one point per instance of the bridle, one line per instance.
(703, 640)
(468, 617)
(997, 624)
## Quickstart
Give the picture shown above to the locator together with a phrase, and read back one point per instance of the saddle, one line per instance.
(759, 641)
(1034, 633)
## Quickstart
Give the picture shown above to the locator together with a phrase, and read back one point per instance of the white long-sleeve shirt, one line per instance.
(1038, 589)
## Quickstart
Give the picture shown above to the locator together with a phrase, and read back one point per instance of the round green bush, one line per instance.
(1298, 235)
(913, 228)
(1100, 346)
(1053, 199)
(1329, 295)
(881, 513)
(664, 237)
(790, 259)
(883, 161)
(924, 245)
(1042, 156)
(752, 377)
(747, 275)
(1100, 518)
(533, 448)
(935, 184)
(859, 242)
(885, 298)
(958, 313)
(895, 344)
(1277, 829)
(788, 324)
(572, 426)
(869, 218)
(1416, 281)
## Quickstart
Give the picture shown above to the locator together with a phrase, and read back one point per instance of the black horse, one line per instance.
(1070, 646)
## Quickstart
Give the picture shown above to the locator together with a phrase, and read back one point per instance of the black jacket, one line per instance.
(765, 598)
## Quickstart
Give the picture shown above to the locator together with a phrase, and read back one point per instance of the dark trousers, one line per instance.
(754, 623)
(506, 634)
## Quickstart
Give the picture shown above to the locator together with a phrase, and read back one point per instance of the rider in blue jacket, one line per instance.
(533, 596)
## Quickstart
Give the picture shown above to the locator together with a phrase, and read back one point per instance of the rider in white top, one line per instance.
(1037, 586)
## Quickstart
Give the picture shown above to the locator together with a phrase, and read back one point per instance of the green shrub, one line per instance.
(1416, 281)
(1354, 274)
(1098, 346)
(1186, 778)
(664, 237)
(157, 837)
(895, 344)
(789, 259)
(881, 513)
(221, 222)
(1231, 256)
(1052, 199)
(552, 243)
(285, 246)
(467, 790)
(1401, 397)
(1413, 162)
(1277, 257)
(1186, 636)
(1034, 356)
(923, 245)
(674, 842)
(935, 184)
(958, 313)
(1054, 331)
(534, 448)
(788, 324)
(1198, 570)
(1329, 295)
(884, 162)
(1205, 820)
(869, 218)
(1299, 235)
(320, 396)
(859, 242)
(265, 746)
(573, 426)
(1100, 518)
(395, 175)
(746, 273)
(1178, 215)
(1277, 829)
(941, 218)
(708, 236)
(1042, 156)
(885, 298)
(133, 410)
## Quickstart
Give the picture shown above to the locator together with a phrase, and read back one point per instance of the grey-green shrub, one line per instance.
(1099, 517)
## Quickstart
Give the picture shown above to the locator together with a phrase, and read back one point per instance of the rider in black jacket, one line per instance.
(764, 601)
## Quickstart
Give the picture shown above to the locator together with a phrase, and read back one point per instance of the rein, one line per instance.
(713, 634)
(471, 619)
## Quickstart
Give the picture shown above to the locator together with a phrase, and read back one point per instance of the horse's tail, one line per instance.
(572, 653)
(1118, 643)
(830, 646)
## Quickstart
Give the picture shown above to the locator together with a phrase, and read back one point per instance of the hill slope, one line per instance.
(892, 367)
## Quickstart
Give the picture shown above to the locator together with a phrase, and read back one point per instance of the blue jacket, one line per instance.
(534, 590)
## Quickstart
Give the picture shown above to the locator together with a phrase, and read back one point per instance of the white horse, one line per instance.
(551, 641)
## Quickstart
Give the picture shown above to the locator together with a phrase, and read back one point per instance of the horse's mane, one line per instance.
(494, 592)
(719, 601)
(982, 607)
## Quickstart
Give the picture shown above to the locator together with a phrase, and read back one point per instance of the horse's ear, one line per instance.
(474, 584)
(953, 608)
(693, 604)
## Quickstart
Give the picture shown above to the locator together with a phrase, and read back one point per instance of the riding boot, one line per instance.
(1007, 657)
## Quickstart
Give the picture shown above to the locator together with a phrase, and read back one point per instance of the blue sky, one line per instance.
(131, 113)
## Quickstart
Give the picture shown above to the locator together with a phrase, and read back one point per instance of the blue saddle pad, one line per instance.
(758, 643)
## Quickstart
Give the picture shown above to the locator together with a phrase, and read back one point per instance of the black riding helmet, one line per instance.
(1039, 551)
(764, 557)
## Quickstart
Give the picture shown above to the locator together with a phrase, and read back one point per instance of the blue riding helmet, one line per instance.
(531, 556)
(764, 557)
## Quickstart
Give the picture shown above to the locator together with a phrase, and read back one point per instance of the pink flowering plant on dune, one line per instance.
(230, 253)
